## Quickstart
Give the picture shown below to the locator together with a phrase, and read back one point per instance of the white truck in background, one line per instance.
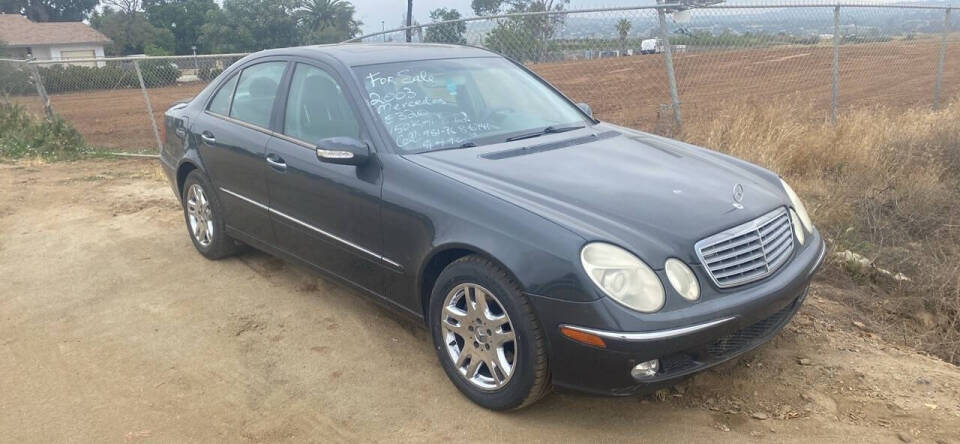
(651, 46)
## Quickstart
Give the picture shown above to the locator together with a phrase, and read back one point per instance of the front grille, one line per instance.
(749, 251)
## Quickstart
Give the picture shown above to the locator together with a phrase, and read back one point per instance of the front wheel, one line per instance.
(487, 337)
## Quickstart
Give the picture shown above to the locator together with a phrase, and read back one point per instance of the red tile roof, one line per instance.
(17, 30)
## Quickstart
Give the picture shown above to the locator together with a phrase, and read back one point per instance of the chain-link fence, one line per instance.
(659, 66)
(653, 68)
(116, 104)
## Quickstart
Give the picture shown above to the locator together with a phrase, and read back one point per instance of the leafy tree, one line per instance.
(250, 25)
(523, 38)
(327, 21)
(49, 10)
(447, 32)
(131, 32)
(127, 6)
(183, 18)
(623, 28)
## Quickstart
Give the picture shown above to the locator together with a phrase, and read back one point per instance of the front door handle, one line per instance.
(207, 136)
(276, 162)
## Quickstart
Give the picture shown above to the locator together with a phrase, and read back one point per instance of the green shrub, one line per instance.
(25, 135)
(67, 78)
(157, 73)
(15, 80)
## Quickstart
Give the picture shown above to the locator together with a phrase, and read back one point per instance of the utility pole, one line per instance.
(668, 61)
(835, 81)
(409, 20)
(943, 50)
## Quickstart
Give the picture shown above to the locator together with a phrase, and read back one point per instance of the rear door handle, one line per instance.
(276, 162)
(207, 136)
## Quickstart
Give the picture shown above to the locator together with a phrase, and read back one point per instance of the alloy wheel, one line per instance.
(200, 215)
(478, 336)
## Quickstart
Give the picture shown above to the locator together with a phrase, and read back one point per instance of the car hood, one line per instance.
(651, 195)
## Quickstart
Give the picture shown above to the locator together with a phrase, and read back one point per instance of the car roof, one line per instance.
(356, 54)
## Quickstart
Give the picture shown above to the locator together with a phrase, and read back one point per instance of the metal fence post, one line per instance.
(146, 99)
(943, 53)
(671, 74)
(41, 91)
(835, 91)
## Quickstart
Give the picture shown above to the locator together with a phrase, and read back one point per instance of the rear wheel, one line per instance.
(488, 339)
(204, 218)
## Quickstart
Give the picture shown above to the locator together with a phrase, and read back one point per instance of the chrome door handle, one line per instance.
(207, 137)
(276, 162)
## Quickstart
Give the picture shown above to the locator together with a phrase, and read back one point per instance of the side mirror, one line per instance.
(585, 108)
(343, 151)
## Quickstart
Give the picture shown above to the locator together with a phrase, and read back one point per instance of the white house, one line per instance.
(50, 40)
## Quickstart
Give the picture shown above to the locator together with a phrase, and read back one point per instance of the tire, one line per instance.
(520, 365)
(211, 240)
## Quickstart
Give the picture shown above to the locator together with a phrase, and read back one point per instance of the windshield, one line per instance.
(439, 104)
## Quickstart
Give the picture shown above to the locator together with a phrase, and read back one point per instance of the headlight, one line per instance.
(798, 205)
(623, 277)
(797, 230)
(682, 279)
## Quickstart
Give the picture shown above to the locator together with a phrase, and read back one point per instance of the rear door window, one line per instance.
(317, 108)
(221, 101)
(256, 91)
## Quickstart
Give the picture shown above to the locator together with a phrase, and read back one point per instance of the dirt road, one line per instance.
(113, 329)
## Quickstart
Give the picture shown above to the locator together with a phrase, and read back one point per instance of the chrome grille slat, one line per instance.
(742, 270)
(769, 229)
(776, 253)
(773, 230)
(776, 234)
(748, 252)
(775, 242)
(756, 255)
(739, 250)
(738, 243)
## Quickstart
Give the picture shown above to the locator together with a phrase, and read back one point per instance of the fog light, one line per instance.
(645, 369)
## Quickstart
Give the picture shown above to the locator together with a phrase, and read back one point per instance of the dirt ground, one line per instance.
(112, 328)
(626, 90)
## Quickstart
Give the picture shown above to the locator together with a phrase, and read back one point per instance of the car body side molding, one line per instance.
(339, 239)
(651, 335)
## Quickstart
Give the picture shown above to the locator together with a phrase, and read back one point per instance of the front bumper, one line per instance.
(740, 322)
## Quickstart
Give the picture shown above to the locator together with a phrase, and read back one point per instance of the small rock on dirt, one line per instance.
(905, 437)
(761, 416)
(804, 361)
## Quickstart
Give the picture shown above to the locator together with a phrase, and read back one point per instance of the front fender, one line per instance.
(426, 214)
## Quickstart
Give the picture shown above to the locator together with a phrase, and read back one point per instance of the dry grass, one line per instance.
(881, 183)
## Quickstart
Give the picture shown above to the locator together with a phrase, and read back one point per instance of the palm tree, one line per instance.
(320, 14)
(623, 28)
(332, 19)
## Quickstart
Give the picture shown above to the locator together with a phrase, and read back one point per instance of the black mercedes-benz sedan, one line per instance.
(540, 246)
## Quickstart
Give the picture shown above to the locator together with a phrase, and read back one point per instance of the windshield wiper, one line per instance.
(456, 147)
(548, 130)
